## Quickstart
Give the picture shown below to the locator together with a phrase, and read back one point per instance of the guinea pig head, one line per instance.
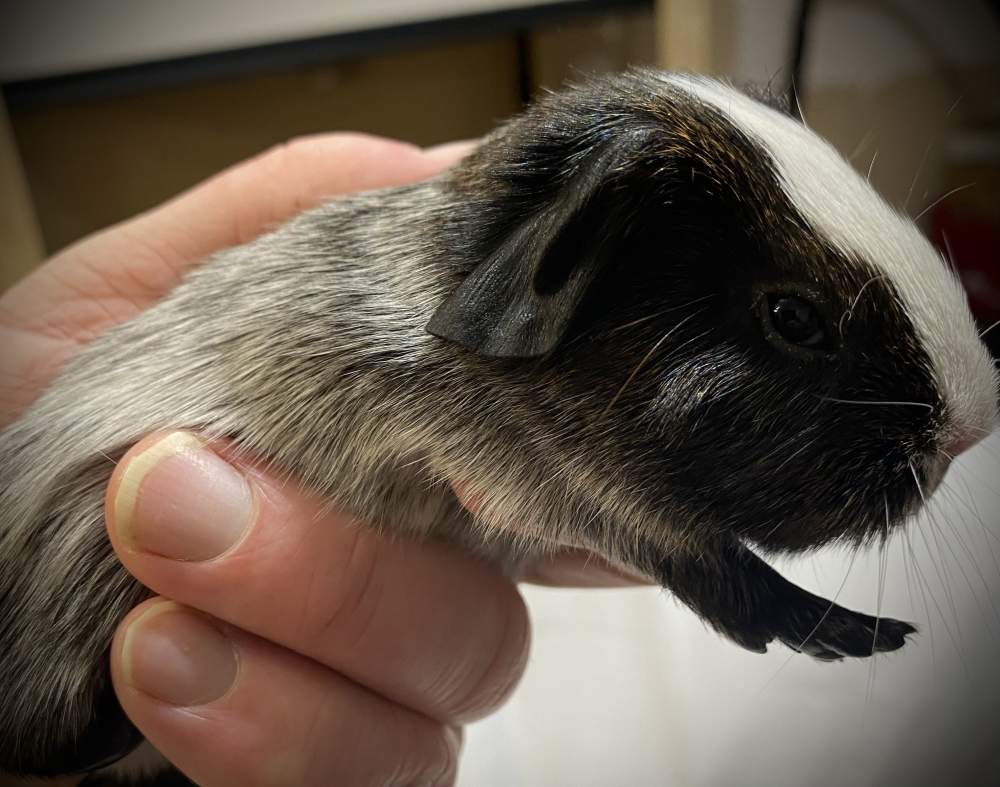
(727, 319)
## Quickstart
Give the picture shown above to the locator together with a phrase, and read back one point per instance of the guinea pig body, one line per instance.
(650, 316)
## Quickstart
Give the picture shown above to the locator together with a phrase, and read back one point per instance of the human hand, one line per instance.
(339, 636)
(320, 652)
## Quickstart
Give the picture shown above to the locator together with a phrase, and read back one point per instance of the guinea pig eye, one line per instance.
(797, 321)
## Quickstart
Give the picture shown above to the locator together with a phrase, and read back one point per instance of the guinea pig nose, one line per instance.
(959, 445)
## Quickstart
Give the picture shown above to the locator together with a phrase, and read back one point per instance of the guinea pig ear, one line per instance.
(520, 301)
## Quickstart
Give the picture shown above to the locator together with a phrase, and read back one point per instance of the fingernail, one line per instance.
(180, 500)
(177, 656)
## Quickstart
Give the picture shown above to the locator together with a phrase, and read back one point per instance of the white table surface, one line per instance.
(41, 38)
(627, 689)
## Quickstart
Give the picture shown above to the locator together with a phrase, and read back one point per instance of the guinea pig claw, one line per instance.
(828, 632)
(754, 642)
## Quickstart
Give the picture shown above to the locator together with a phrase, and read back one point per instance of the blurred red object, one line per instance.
(973, 245)
(966, 226)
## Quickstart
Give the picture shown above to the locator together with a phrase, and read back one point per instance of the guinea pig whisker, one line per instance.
(941, 199)
(769, 87)
(991, 450)
(990, 536)
(907, 574)
(983, 333)
(981, 430)
(941, 572)
(973, 559)
(883, 569)
(916, 176)
(871, 166)
(646, 358)
(969, 506)
(864, 287)
(861, 401)
(936, 532)
(833, 602)
(987, 483)
(798, 106)
(659, 314)
(947, 589)
(849, 314)
(862, 144)
(796, 651)
(957, 638)
(923, 498)
(956, 496)
(955, 103)
(924, 588)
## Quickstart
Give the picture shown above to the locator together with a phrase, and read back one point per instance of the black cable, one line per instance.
(798, 54)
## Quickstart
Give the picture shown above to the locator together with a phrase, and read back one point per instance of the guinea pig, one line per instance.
(652, 316)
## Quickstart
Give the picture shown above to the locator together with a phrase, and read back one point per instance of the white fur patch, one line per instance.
(849, 213)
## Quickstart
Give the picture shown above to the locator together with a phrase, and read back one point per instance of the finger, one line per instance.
(448, 153)
(581, 568)
(417, 623)
(146, 256)
(228, 708)
(259, 194)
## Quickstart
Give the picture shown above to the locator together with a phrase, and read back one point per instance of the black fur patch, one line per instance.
(728, 432)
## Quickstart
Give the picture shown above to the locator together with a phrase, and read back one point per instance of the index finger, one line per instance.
(257, 195)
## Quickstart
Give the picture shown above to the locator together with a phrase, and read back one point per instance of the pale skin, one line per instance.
(298, 648)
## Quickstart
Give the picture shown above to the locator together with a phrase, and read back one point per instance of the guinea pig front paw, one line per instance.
(749, 602)
(828, 632)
